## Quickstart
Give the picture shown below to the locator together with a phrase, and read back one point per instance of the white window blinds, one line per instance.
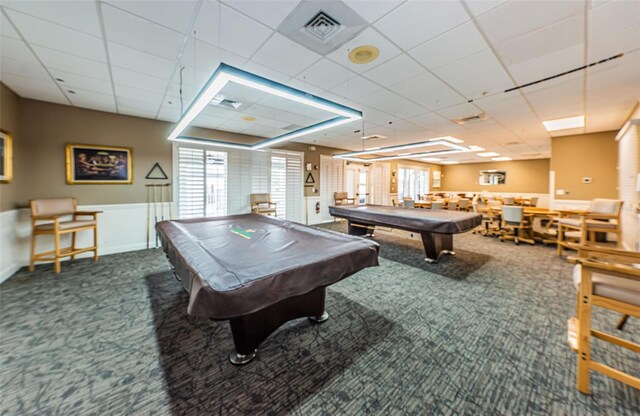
(380, 178)
(629, 185)
(215, 182)
(331, 180)
(412, 181)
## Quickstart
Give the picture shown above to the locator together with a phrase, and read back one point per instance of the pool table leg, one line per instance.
(249, 331)
(434, 244)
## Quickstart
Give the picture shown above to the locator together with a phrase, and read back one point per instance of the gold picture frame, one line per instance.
(98, 165)
(6, 157)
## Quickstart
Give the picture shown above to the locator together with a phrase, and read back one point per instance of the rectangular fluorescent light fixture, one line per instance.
(432, 159)
(449, 162)
(501, 158)
(226, 73)
(373, 136)
(488, 154)
(449, 139)
(564, 123)
(475, 148)
(428, 143)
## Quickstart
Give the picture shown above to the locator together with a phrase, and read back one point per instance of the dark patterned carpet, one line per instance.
(480, 333)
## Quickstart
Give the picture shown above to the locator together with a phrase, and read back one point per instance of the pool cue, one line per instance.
(155, 212)
(170, 200)
(148, 215)
(161, 201)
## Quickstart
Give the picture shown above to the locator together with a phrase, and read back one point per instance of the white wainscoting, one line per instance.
(121, 227)
(570, 204)
(313, 217)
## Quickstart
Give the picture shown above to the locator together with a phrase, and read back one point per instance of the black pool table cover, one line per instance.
(411, 219)
(236, 265)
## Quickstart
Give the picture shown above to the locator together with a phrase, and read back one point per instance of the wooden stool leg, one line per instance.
(95, 244)
(32, 263)
(56, 262)
(622, 322)
(559, 240)
(584, 337)
(73, 245)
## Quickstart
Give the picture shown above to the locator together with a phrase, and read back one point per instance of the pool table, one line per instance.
(259, 272)
(435, 227)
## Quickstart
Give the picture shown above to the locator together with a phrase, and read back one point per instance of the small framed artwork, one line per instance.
(89, 164)
(6, 157)
(309, 166)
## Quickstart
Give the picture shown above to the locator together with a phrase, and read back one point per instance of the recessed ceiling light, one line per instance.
(364, 54)
(488, 154)
(432, 159)
(564, 123)
(449, 162)
(501, 158)
(248, 118)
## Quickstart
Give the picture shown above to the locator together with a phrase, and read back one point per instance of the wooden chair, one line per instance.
(342, 198)
(48, 218)
(607, 278)
(603, 215)
(453, 205)
(262, 204)
(514, 220)
(408, 203)
(508, 200)
(463, 204)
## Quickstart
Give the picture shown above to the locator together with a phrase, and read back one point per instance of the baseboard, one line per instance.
(8, 271)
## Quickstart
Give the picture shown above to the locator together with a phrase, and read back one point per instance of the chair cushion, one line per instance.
(53, 206)
(574, 222)
(605, 206)
(623, 290)
(66, 225)
(261, 210)
(577, 223)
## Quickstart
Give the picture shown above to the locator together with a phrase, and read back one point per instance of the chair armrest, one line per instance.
(599, 216)
(81, 213)
(605, 250)
(619, 270)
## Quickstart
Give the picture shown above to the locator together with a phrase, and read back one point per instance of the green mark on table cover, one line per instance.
(243, 233)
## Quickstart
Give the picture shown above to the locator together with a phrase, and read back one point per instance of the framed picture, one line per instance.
(6, 157)
(88, 164)
(437, 178)
(309, 166)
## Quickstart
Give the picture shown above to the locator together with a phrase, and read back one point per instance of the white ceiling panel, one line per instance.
(93, 100)
(136, 107)
(268, 12)
(432, 121)
(6, 28)
(77, 15)
(24, 69)
(372, 10)
(140, 61)
(455, 44)
(428, 91)
(174, 14)
(71, 63)
(305, 86)
(241, 35)
(355, 88)
(71, 81)
(418, 21)
(516, 18)
(284, 55)
(460, 110)
(16, 49)
(613, 16)
(622, 41)
(37, 90)
(476, 74)
(128, 92)
(266, 72)
(394, 70)
(553, 38)
(548, 65)
(324, 73)
(366, 37)
(207, 25)
(42, 33)
(392, 103)
(136, 79)
(478, 7)
(138, 33)
(207, 58)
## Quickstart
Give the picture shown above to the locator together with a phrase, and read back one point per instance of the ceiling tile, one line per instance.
(174, 14)
(392, 103)
(460, 110)
(140, 61)
(517, 18)
(207, 25)
(624, 40)
(455, 44)
(207, 58)
(269, 12)
(36, 90)
(428, 91)
(418, 21)
(325, 74)
(372, 10)
(550, 39)
(266, 72)
(50, 35)
(284, 55)
(394, 70)
(548, 65)
(53, 59)
(138, 33)
(77, 15)
(16, 49)
(76, 82)
(355, 88)
(136, 79)
(612, 17)
(241, 35)
(24, 69)
(303, 85)
(136, 107)
(368, 36)
(478, 7)
(127, 92)
(93, 100)
(6, 28)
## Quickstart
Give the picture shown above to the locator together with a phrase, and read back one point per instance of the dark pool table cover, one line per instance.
(235, 265)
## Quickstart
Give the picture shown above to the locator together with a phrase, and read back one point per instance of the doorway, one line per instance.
(358, 183)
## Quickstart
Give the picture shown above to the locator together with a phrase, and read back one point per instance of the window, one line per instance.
(213, 183)
(412, 181)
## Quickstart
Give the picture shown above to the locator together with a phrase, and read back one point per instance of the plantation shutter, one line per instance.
(191, 182)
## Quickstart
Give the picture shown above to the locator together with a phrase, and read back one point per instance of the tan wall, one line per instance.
(592, 155)
(9, 103)
(526, 176)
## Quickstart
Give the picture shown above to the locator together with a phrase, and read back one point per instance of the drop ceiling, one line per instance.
(439, 60)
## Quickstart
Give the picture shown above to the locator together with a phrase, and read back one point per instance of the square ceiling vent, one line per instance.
(322, 26)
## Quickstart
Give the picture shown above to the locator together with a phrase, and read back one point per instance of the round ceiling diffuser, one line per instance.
(248, 118)
(363, 54)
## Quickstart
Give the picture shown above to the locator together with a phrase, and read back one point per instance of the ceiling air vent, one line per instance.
(468, 119)
(220, 100)
(322, 26)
